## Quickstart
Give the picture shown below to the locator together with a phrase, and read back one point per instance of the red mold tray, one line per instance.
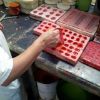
(45, 12)
(45, 26)
(91, 55)
(72, 46)
(80, 21)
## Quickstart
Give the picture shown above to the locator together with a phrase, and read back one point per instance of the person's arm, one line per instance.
(1, 26)
(22, 62)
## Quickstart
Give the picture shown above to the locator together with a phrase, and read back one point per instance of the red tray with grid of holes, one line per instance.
(73, 42)
(91, 55)
(45, 12)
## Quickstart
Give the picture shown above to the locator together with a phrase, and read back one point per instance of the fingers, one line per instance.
(55, 38)
(53, 43)
(56, 31)
(51, 38)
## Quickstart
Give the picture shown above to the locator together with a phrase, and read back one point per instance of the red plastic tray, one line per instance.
(73, 42)
(45, 12)
(91, 55)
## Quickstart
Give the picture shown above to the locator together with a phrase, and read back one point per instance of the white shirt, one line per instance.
(12, 91)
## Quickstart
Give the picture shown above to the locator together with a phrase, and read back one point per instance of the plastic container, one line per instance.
(1, 2)
(91, 8)
(51, 5)
(13, 8)
(28, 5)
(40, 2)
(6, 2)
(47, 91)
(66, 4)
(51, 1)
(69, 91)
(84, 4)
(63, 6)
(46, 84)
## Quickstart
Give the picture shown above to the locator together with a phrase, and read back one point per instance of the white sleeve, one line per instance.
(6, 65)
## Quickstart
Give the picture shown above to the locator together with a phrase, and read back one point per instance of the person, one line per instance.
(12, 68)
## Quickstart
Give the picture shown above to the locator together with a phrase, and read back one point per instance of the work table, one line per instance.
(19, 34)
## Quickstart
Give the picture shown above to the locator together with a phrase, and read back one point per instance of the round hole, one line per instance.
(67, 35)
(49, 23)
(44, 30)
(65, 39)
(51, 12)
(57, 14)
(66, 30)
(46, 27)
(70, 41)
(70, 32)
(63, 48)
(74, 34)
(34, 11)
(80, 45)
(63, 33)
(40, 13)
(80, 35)
(74, 43)
(76, 49)
(72, 37)
(74, 57)
(67, 54)
(82, 41)
(40, 9)
(60, 12)
(44, 10)
(47, 15)
(85, 37)
(44, 22)
(77, 39)
(66, 45)
(53, 18)
(75, 53)
(39, 28)
(71, 47)
(54, 26)
(69, 50)
(60, 51)
(41, 25)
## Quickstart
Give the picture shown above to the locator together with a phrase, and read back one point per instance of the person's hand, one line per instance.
(1, 26)
(51, 38)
